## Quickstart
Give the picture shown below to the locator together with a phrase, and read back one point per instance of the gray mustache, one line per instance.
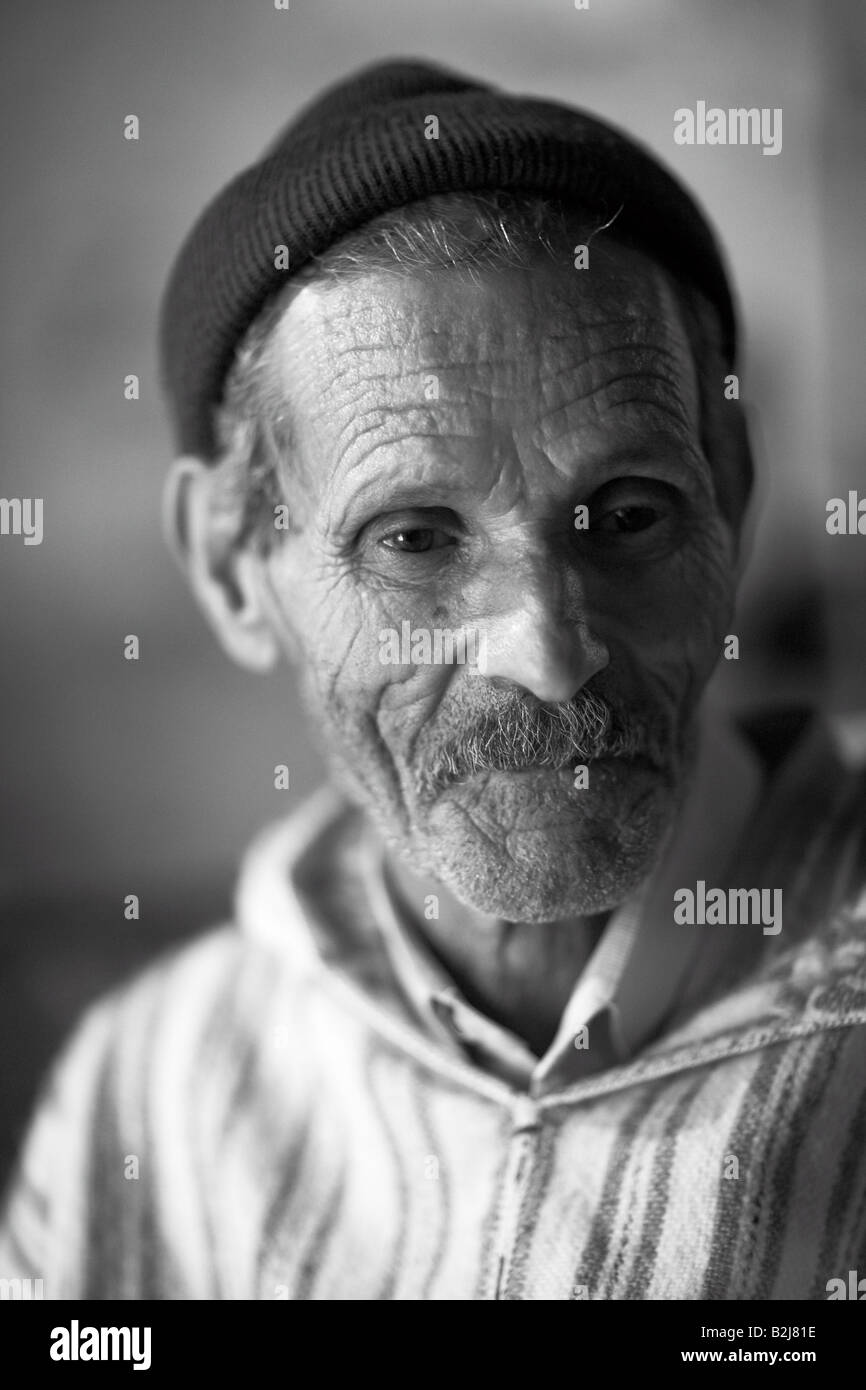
(518, 735)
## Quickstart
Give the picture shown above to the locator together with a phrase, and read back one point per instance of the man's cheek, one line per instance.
(338, 660)
(409, 703)
(675, 636)
(358, 690)
(336, 623)
(708, 609)
(687, 603)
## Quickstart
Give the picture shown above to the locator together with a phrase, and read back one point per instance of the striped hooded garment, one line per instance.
(260, 1115)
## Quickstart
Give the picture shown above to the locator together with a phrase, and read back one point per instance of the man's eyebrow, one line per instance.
(393, 492)
(662, 453)
(662, 456)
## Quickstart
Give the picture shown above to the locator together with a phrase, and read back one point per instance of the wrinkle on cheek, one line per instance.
(376, 711)
(385, 762)
(335, 612)
(407, 702)
(672, 629)
(680, 666)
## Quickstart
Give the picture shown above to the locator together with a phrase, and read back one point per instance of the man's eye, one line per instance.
(628, 520)
(415, 540)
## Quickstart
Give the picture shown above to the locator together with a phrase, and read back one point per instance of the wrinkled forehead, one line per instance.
(386, 354)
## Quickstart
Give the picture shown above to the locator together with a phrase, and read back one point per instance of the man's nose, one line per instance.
(538, 638)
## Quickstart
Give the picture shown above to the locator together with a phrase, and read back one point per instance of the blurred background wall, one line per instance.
(150, 777)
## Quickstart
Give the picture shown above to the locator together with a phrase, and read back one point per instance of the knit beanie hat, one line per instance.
(363, 148)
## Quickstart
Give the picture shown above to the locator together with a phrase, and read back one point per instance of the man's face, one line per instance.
(446, 433)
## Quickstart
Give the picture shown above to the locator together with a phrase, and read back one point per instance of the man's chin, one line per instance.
(538, 844)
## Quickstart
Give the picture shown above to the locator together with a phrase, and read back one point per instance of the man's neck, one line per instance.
(521, 974)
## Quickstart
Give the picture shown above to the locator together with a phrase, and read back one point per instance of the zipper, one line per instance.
(519, 1164)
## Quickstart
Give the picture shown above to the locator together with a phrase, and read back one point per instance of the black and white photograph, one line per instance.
(433, 559)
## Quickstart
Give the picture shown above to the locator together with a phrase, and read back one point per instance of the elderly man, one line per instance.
(558, 991)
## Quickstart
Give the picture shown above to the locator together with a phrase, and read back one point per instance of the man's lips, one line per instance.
(636, 762)
(639, 761)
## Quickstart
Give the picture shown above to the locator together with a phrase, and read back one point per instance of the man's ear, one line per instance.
(730, 450)
(740, 470)
(201, 524)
